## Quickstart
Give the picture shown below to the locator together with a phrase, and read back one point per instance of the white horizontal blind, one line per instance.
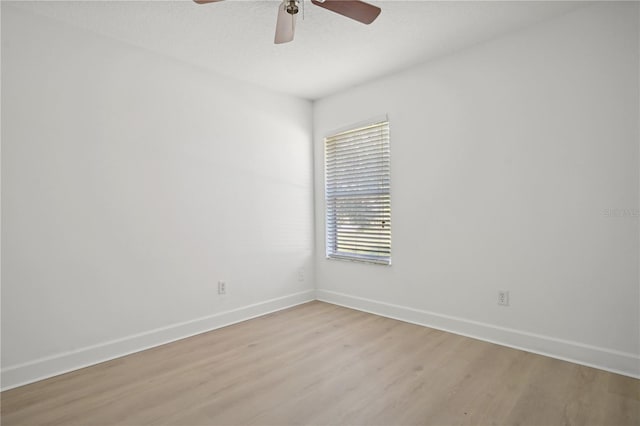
(357, 191)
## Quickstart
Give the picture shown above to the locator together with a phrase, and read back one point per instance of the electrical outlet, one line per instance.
(222, 287)
(301, 274)
(503, 298)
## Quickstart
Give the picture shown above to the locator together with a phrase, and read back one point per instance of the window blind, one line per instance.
(357, 192)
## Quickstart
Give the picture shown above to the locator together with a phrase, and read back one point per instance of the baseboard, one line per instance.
(624, 363)
(29, 372)
(605, 359)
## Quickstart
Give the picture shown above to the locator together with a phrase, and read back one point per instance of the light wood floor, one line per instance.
(322, 364)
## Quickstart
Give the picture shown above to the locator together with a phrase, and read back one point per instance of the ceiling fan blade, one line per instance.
(354, 9)
(206, 1)
(285, 26)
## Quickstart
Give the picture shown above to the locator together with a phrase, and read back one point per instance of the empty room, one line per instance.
(320, 212)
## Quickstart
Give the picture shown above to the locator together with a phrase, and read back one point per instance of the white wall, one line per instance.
(131, 184)
(505, 159)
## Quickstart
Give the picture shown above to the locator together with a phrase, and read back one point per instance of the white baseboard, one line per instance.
(605, 359)
(39, 369)
(624, 363)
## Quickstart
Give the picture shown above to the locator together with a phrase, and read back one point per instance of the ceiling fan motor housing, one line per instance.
(292, 7)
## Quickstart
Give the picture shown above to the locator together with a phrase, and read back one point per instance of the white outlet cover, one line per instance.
(503, 298)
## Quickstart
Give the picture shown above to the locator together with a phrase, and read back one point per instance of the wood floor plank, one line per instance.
(323, 364)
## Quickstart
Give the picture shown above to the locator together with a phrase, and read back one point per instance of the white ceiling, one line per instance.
(329, 53)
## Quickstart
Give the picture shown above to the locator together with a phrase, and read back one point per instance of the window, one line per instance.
(357, 193)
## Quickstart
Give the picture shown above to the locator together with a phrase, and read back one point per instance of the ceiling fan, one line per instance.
(287, 10)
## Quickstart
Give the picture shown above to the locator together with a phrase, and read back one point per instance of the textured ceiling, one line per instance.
(329, 53)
